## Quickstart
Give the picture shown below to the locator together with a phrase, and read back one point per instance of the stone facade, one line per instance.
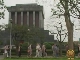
(27, 14)
(30, 15)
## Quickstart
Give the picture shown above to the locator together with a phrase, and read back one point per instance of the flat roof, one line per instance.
(25, 7)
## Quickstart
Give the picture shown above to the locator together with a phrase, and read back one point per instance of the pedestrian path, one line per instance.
(1, 57)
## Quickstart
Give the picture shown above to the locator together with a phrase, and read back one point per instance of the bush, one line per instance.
(24, 46)
(48, 45)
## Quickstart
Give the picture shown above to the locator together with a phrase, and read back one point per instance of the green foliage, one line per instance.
(72, 7)
(20, 32)
(28, 34)
(25, 46)
(1, 42)
(48, 45)
(2, 9)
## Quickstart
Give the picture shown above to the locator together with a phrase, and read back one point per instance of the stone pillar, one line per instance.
(28, 18)
(21, 18)
(41, 20)
(34, 18)
(9, 15)
(15, 17)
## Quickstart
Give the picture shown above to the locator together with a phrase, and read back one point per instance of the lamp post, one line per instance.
(10, 21)
(28, 37)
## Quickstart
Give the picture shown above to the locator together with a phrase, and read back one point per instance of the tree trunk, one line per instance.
(69, 25)
(70, 36)
(60, 48)
(60, 44)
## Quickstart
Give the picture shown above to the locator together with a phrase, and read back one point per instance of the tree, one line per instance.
(2, 8)
(25, 33)
(19, 33)
(60, 33)
(68, 8)
(1, 42)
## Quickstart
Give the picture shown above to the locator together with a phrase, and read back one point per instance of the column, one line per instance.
(34, 18)
(15, 17)
(9, 15)
(28, 18)
(41, 20)
(21, 18)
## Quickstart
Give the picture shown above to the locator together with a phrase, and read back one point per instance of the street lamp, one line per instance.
(10, 21)
(28, 35)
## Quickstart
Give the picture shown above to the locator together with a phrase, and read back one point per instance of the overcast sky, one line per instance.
(47, 13)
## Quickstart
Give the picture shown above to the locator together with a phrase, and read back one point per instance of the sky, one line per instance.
(47, 14)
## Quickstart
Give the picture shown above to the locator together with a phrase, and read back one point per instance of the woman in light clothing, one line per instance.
(29, 50)
(37, 50)
(5, 51)
(44, 50)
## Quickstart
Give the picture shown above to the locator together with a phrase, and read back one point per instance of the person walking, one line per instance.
(54, 49)
(40, 52)
(37, 50)
(29, 50)
(19, 51)
(57, 51)
(5, 51)
(44, 51)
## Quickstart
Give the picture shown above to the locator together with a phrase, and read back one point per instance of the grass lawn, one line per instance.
(39, 59)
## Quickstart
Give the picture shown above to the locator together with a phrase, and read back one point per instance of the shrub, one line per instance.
(24, 46)
(48, 45)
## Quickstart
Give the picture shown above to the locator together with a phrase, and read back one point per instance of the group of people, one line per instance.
(6, 51)
(40, 51)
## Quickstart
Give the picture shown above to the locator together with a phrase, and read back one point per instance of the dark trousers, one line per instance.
(19, 53)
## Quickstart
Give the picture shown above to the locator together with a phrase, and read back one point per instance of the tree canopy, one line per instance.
(68, 8)
(2, 9)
